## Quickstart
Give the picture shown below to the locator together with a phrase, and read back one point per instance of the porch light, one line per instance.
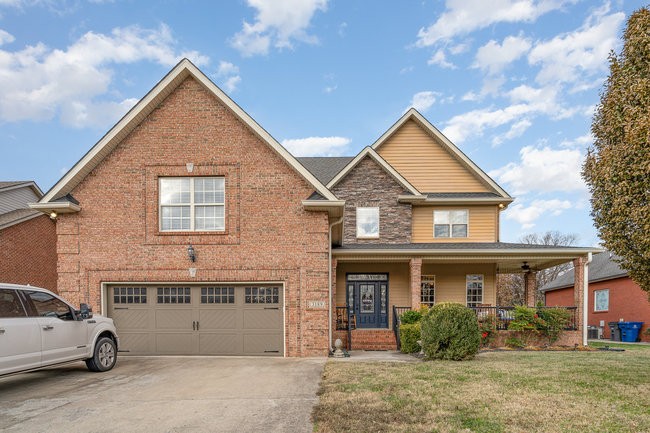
(190, 253)
(53, 215)
(525, 267)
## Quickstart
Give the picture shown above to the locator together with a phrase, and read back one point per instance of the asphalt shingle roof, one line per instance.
(15, 216)
(602, 267)
(7, 184)
(324, 168)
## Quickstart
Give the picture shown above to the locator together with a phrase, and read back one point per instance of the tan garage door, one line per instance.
(198, 320)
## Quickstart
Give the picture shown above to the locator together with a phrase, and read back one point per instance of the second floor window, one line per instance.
(192, 204)
(450, 223)
(367, 222)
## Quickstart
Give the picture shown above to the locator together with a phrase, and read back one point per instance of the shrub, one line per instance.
(554, 321)
(515, 342)
(410, 317)
(450, 331)
(409, 334)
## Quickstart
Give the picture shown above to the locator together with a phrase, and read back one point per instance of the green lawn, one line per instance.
(612, 344)
(496, 392)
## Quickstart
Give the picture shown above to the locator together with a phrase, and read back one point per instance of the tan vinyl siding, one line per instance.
(398, 283)
(426, 164)
(483, 224)
(451, 279)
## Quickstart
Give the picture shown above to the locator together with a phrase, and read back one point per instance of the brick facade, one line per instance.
(268, 236)
(28, 253)
(369, 185)
(627, 301)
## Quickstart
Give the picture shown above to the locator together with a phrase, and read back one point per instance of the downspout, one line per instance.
(329, 278)
(585, 299)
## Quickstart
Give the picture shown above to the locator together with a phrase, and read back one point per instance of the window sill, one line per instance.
(367, 237)
(600, 311)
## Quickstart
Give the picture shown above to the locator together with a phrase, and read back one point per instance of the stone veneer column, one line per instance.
(416, 282)
(578, 289)
(530, 284)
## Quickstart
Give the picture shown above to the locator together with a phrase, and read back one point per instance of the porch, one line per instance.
(372, 287)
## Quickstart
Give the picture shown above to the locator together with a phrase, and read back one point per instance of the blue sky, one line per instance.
(513, 83)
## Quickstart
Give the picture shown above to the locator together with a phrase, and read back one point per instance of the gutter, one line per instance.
(585, 299)
(329, 278)
(558, 252)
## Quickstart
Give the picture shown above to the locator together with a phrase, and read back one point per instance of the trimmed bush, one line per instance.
(409, 334)
(411, 316)
(450, 331)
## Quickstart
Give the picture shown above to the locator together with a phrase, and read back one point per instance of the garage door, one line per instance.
(198, 320)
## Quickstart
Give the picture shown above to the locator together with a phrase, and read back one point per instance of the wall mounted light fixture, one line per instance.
(190, 253)
(53, 215)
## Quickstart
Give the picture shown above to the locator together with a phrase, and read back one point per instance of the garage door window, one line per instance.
(217, 295)
(130, 295)
(262, 295)
(174, 295)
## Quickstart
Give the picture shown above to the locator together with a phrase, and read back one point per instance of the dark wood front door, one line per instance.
(369, 303)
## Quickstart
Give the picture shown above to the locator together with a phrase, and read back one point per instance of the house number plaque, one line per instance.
(316, 304)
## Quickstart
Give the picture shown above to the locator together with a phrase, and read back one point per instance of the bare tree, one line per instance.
(510, 287)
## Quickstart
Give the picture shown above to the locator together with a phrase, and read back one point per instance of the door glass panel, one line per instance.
(367, 294)
(10, 305)
(49, 306)
(351, 296)
(382, 298)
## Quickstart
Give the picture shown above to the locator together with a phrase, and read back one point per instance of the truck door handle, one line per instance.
(2, 331)
(48, 327)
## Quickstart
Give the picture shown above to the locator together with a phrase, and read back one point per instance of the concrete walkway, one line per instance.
(165, 394)
(377, 356)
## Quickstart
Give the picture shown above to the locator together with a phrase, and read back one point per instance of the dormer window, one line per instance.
(450, 223)
(367, 222)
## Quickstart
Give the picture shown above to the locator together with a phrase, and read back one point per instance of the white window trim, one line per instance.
(482, 287)
(596, 304)
(428, 279)
(191, 205)
(356, 220)
(433, 225)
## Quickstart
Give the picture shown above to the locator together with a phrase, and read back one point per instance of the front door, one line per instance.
(369, 302)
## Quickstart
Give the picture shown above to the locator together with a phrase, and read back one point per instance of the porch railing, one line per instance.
(397, 312)
(345, 321)
(504, 315)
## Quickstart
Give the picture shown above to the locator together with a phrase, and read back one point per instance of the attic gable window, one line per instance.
(367, 222)
(450, 223)
(192, 204)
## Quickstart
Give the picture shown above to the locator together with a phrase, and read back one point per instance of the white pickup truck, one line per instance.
(39, 329)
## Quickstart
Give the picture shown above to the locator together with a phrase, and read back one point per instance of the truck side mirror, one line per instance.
(85, 311)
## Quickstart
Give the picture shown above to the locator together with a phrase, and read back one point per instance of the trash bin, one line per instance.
(614, 331)
(630, 331)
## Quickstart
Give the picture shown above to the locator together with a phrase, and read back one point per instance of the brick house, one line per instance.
(613, 296)
(199, 233)
(27, 237)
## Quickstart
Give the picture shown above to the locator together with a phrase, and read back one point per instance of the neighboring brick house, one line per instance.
(613, 295)
(27, 237)
(200, 234)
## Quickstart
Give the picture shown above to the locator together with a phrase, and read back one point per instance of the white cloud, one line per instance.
(277, 23)
(6, 37)
(330, 89)
(474, 122)
(422, 101)
(40, 83)
(464, 16)
(229, 74)
(543, 170)
(516, 130)
(527, 215)
(317, 146)
(493, 57)
(574, 56)
(439, 58)
(581, 141)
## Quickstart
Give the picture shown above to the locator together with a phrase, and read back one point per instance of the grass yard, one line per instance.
(496, 392)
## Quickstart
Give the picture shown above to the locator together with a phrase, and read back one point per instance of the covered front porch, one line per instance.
(372, 287)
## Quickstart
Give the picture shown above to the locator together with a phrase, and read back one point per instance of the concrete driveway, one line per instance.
(165, 394)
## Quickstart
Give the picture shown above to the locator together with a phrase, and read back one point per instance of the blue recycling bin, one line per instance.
(630, 331)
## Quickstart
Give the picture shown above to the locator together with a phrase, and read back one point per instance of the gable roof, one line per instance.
(603, 267)
(143, 108)
(413, 114)
(17, 216)
(368, 151)
(13, 184)
(325, 167)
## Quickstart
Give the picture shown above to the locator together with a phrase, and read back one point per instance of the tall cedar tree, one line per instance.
(617, 168)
